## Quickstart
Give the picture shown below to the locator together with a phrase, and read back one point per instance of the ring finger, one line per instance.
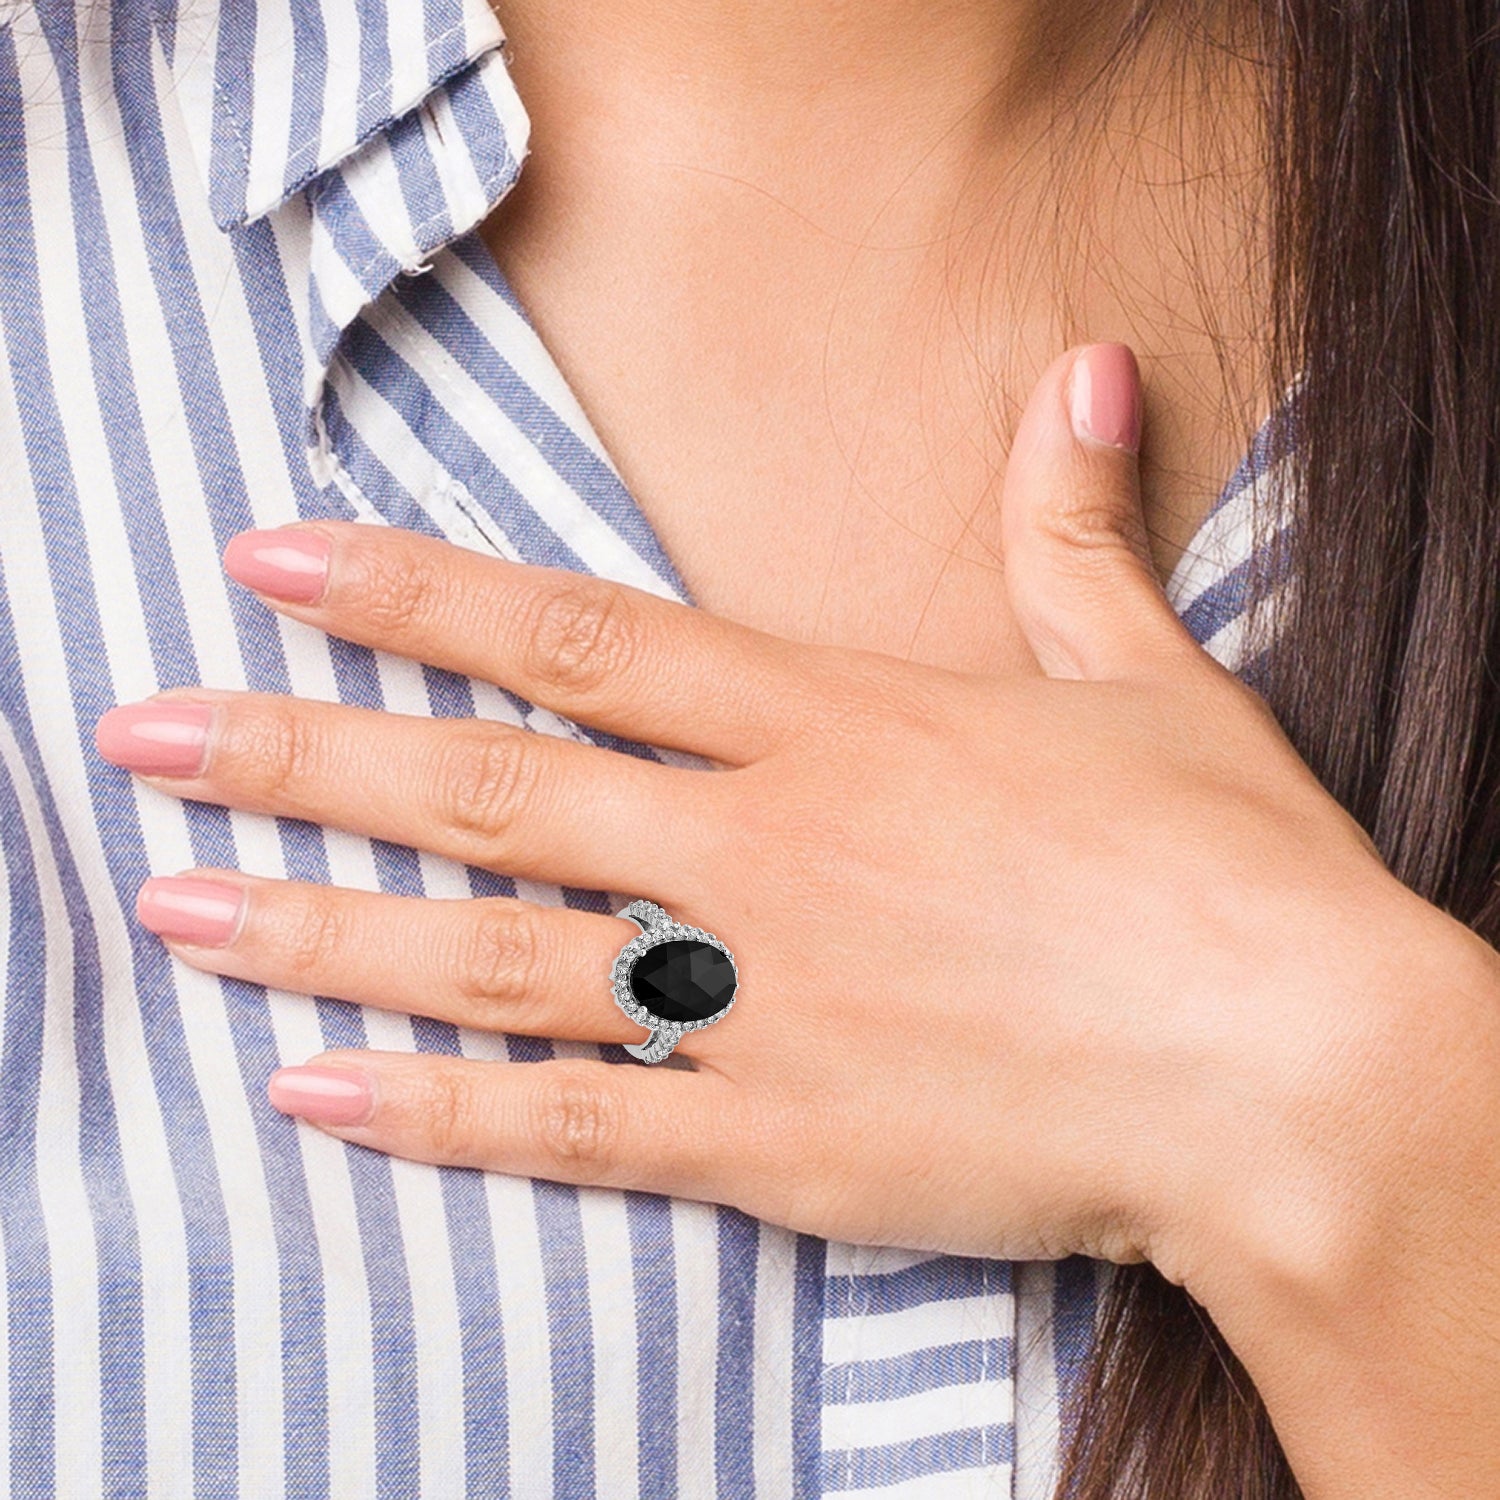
(493, 963)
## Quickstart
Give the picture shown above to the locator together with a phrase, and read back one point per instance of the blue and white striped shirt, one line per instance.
(239, 285)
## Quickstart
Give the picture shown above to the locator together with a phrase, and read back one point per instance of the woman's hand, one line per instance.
(1083, 960)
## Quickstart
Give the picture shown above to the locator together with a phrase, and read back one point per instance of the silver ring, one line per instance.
(687, 986)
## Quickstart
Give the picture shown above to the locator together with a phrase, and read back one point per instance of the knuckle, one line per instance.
(582, 637)
(1088, 529)
(452, 1118)
(502, 957)
(487, 781)
(312, 931)
(577, 1124)
(396, 591)
(271, 750)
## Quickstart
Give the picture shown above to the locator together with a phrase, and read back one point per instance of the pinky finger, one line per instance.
(577, 1120)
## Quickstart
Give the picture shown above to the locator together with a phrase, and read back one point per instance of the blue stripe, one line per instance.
(1074, 1295)
(570, 1337)
(375, 99)
(1227, 598)
(734, 1383)
(653, 1256)
(421, 187)
(397, 1431)
(942, 1453)
(446, 32)
(481, 1331)
(309, 79)
(369, 258)
(442, 436)
(28, 1268)
(165, 14)
(479, 129)
(931, 1369)
(810, 1290)
(233, 115)
(1257, 462)
(939, 1280)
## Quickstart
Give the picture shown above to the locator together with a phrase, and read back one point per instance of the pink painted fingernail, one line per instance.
(205, 912)
(1105, 396)
(322, 1096)
(156, 739)
(290, 563)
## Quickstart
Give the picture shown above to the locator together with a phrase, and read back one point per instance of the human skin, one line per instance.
(803, 262)
(1074, 959)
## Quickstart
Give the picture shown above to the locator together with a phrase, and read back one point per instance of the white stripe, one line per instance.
(522, 1293)
(384, 431)
(456, 171)
(515, 123)
(904, 1419)
(338, 288)
(927, 1326)
(274, 76)
(695, 1236)
(374, 182)
(408, 43)
(611, 1289)
(343, 82)
(143, 1142)
(872, 1260)
(481, 26)
(194, 59)
(775, 1361)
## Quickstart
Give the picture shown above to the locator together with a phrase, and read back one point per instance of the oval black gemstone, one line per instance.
(682, 980)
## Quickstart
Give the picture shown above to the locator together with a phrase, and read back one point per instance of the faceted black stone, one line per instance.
(682, 980)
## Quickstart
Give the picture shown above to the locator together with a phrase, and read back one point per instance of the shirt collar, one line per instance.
(278, 92)
(368, 133)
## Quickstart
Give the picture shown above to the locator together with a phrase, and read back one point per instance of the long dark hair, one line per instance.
(1383, 164)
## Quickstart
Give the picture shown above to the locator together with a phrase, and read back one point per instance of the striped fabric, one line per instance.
(238, 286)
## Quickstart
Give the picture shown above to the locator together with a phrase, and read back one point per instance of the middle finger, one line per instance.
(488, 794)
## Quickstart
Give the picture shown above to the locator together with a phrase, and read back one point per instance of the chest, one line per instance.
(825, 460)
(890, 542)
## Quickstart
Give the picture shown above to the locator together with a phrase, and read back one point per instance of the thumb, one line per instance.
(1077, 565)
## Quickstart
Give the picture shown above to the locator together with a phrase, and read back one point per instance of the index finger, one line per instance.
(596, 651)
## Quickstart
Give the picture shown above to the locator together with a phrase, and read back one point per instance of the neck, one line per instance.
(881, 65)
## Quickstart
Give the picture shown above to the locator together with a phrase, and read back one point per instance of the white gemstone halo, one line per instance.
(658, 927)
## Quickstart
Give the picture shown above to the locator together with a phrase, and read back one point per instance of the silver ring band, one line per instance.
(672, 979)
